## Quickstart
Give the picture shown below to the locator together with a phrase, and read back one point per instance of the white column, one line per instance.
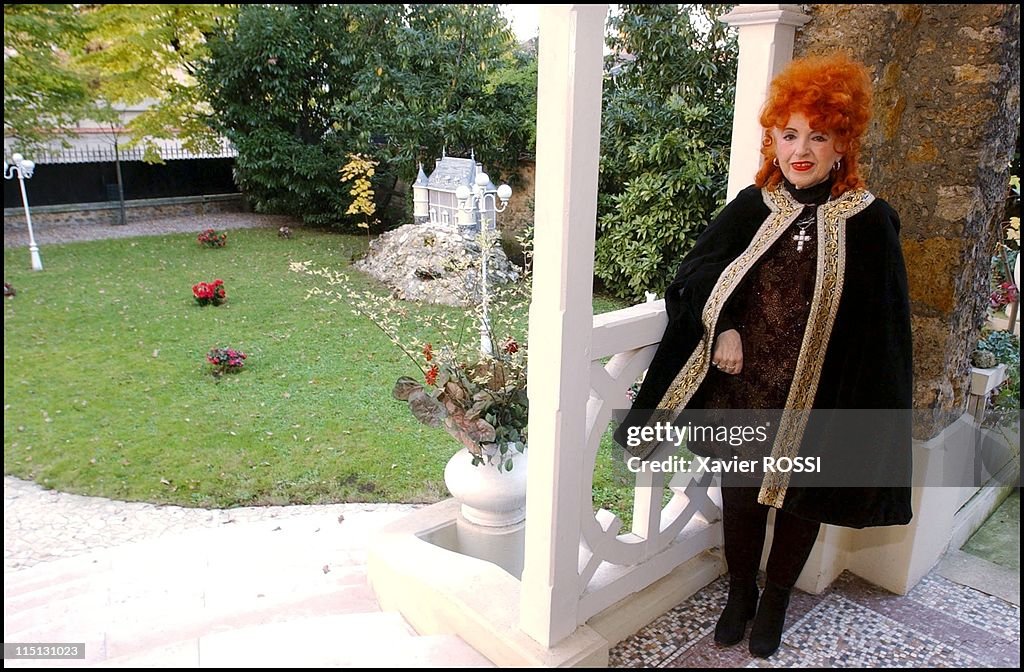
(561, 312)
(766, 35)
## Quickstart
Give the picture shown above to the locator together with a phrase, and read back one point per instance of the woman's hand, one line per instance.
(727, 355)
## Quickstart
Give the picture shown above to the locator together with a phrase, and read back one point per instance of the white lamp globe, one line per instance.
(504, 192)
(462, 192)
(482, 179)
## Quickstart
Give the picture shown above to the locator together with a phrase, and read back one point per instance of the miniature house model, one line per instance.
(434, 197)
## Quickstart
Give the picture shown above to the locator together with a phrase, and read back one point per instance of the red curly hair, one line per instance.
(834, 93)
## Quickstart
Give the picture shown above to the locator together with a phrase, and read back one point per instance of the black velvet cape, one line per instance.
(856, 353)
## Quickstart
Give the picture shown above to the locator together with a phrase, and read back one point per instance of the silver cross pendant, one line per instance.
(801, 238)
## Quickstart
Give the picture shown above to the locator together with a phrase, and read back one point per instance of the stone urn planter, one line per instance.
(489, 497)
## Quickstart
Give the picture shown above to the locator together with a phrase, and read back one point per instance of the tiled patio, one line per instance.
(852, 624)
(962, 614)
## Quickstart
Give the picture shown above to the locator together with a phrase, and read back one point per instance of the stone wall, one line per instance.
(519, 215)
(109, 212)
(947, 115)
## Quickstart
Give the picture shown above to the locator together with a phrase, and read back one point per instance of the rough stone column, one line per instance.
(947, 115)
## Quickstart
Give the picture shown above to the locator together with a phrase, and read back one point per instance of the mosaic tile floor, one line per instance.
(852, 624)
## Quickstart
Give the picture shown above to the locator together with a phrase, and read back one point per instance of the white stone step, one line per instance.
(185, 557)
(160, 620)
(356, 640)
(212, 590)
(52, 573)
(265, 594)
(432, 651)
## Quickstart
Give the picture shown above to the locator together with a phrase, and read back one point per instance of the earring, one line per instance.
(838, 165)
(775, 162)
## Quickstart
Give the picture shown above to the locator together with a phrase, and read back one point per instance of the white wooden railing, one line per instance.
(613, 563)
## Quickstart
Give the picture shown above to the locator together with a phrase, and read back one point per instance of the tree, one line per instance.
(67, 63)
(666, 132)
(295, 87)
(299, 87)
(109, 120)
(136, 52)
(457, 83)
(275, 80)
(44, 93)
(359, 170)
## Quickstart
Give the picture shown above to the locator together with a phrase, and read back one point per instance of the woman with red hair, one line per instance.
(793, 306)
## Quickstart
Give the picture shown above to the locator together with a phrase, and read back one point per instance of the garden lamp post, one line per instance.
(474, 201)
(23, 169)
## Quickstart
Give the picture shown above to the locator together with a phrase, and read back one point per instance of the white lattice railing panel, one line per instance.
(613, 563)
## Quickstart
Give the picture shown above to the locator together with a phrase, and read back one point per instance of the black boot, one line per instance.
(739, 608)
(766, 634)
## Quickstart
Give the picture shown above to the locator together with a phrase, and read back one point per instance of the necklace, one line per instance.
(803, 223)
(811, 202)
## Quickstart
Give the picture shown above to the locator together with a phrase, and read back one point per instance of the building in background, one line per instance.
(434, 197)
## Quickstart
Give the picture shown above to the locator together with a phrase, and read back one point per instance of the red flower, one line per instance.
(211, 238)
(432, 375)
(428, 352)
(1003, 295)
(209, 293)
(510, 346)
(226, 360)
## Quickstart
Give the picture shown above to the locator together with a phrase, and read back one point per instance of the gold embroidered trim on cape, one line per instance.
(831, 265)
(828, 289)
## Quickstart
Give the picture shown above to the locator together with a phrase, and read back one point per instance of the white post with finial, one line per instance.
(23, 169)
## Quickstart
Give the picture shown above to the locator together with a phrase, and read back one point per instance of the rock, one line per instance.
(983, 359)
(435, 263)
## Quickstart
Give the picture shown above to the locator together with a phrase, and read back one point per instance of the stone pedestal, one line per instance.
(492, 511)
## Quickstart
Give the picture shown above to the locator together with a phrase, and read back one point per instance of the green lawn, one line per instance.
(107, 391)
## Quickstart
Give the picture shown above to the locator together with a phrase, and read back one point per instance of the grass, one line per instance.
(107, 391)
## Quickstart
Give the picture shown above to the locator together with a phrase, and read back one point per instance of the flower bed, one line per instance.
(226, 360)
(210, 238)
(207, 293)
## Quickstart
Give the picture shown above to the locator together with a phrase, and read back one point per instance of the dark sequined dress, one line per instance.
(770, 310)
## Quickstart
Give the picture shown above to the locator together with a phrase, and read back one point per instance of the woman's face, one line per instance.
(805, 155)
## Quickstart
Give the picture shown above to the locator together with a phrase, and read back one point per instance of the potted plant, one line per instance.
(477, 396)
(480, 400)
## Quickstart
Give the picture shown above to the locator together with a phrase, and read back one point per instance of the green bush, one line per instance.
(1006, 348)
(297, 88)
(665, 138)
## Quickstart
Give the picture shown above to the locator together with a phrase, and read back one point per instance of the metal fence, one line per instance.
(94, 180)
(104, 153)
